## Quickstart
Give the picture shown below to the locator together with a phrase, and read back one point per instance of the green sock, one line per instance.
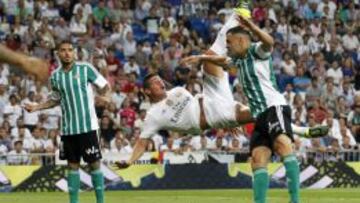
(73, 185)
(260, 185)
(97, 179)
(292, 175)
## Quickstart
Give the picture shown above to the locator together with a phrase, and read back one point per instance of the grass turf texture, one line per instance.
(188, 196)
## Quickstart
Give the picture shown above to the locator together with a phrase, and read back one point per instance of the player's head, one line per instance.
(154, 86)
(65, 51)
(238, 41)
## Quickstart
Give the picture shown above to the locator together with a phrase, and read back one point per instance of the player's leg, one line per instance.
(30, 65)
(97, 179)
(219, 47)
(260, 148)
(259, 158)
(73, 179)
(92, 155)
(69, 151)
(283, 147)
(310, 132)
(281, 134)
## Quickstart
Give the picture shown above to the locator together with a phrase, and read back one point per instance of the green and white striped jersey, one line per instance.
(257, 77)
(74, 91)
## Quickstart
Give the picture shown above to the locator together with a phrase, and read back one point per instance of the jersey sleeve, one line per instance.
(150, 127)
(95, 77)
(257, 51)
(54, 93)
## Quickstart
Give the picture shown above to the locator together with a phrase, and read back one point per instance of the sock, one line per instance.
(299, 130)
(292, 175)
(260, 185)
(97, 179)
(73, 185)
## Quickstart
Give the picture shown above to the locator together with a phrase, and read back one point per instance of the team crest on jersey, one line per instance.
(76, 76)
(169, 102)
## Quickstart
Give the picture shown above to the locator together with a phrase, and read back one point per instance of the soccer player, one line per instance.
(273, 130)
(180, 111)
(72, 89)
(31, 65)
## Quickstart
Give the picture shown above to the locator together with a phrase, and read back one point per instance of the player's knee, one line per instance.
(260, 157)
(283, 145)
(243, 114)
(95, 165)
(74, 166)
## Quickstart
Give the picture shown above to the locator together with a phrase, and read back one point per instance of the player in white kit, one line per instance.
(178, 110)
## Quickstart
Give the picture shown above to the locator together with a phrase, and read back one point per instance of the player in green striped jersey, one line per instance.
(71, 85)
(273, 130)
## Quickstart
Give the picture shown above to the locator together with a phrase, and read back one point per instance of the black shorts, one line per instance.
(85, 145)
(271, 123)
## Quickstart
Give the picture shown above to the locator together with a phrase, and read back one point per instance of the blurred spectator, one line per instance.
(353, 121)
(5, 142)
(131, 66)
(12, 111)
(100, 12)
(170, 146)
(301, 82)
(30, 119)
(18, 156)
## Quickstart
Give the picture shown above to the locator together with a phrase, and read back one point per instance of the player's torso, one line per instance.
(71, 83)
(259, 83)
(180, 111)
(77, 98)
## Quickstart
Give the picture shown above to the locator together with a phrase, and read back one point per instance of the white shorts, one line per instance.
(219, 103)
(219, 46)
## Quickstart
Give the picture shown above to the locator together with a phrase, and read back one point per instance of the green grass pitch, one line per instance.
(188, 196)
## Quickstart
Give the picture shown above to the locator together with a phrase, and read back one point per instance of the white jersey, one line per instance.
(180, 112)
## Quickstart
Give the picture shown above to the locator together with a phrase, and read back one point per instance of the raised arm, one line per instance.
(266, 39)
(196, 59)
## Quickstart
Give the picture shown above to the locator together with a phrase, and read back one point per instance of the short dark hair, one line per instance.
(63, 42)
(147, 78)
(238, 30)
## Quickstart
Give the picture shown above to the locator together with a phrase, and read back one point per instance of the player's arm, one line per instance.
(214, 59)
(31, 65)
(104, 94)
(103, 87)
(150, 128)
(139, 150)
(266, 39)
(46, 105)
(54, 99)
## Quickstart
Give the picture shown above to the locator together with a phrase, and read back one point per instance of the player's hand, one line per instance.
(122, 164)
(245, 23)
(30, 107)
(191, 60)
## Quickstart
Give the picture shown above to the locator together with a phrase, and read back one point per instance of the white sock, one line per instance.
(299, 130)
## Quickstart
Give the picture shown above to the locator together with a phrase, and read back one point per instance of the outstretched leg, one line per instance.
(30, 65)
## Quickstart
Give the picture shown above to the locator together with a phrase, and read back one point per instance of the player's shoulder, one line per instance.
(84, 64)
(177, 90)
(55, 72)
